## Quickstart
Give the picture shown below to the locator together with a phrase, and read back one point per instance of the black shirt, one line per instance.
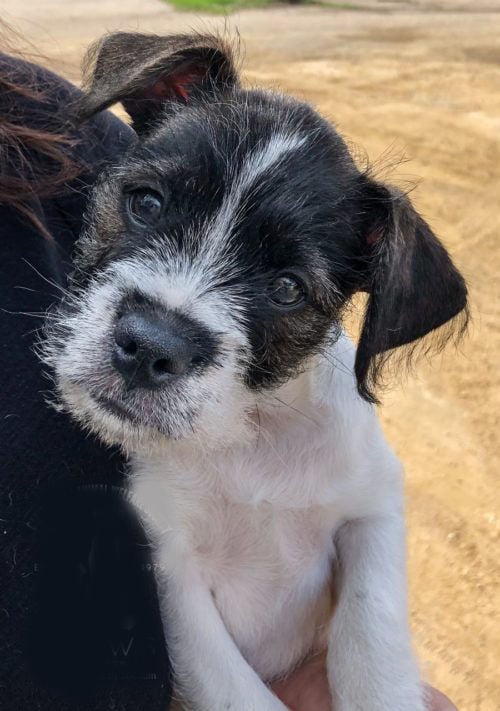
(78, 628)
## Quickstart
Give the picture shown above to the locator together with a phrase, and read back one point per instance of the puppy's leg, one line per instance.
(209, 669)
(370, 661)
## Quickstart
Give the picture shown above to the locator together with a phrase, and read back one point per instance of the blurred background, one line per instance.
(414, 86)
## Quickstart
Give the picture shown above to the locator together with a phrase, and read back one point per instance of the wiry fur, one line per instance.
(263, 474)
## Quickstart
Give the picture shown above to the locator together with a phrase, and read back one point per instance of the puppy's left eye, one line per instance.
(145, 206)
(287, 290)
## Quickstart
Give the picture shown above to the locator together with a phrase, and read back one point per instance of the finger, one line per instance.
(437, 701)
(306, 689)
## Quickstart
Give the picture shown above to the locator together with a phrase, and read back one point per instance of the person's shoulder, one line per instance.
(35, 91)
(44, 100)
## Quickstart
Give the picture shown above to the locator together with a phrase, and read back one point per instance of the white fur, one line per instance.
(247, 537)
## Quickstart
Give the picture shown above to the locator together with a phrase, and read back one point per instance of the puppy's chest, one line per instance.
(257, 544)
(262, 545)
(269, 571)
(253, 523)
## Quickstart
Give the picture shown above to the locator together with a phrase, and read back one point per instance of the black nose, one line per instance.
(149, 350)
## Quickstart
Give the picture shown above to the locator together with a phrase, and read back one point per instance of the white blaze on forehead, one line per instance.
(261, 161)
(255, 167)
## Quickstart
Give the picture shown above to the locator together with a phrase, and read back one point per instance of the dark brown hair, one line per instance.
(36, 161)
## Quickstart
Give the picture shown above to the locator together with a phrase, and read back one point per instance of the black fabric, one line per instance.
(79, 619)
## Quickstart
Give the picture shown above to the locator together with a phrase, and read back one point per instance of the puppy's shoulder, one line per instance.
(336, 388)
(356, 434)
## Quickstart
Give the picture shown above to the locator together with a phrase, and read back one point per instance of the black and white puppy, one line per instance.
(204, 334)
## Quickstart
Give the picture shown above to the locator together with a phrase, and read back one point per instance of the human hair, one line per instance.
(36, 146)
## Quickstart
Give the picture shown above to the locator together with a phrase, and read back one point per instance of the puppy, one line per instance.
(204, 334)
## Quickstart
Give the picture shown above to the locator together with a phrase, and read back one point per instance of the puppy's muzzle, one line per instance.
(149, 350)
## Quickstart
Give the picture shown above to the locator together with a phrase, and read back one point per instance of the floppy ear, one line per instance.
(412, 283)
(149, 73)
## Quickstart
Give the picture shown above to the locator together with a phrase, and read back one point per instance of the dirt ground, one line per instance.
(419, 79)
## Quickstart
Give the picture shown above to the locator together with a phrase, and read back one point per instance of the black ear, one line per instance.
(414, 286)
(148, 73)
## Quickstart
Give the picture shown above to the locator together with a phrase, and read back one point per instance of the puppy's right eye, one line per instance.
(145, 206)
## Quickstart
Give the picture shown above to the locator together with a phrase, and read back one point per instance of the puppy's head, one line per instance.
(220, 251)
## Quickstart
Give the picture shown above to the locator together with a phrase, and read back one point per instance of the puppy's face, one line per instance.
(220, 251)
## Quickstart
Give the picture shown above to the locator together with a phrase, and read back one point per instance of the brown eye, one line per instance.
(286, 290)
(145, 206)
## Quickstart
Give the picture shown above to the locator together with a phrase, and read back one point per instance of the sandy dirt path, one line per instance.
(422, 80)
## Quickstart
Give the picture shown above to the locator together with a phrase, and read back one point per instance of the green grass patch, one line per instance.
(342, 5)
(228, 6)
(218, 6)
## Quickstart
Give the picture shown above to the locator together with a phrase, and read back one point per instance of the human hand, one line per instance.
(307, 690)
